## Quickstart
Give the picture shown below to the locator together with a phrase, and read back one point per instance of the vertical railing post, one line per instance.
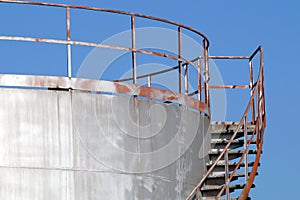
(251, 89)
(68, 39)
(133, 53)
(149, 81)
(227, 175)
(198, 194)
(179, 61)
(261, 92)
(263, 77)
(206, 71)
(245, 147)
(199, 79)
(186, 79)
(257, 116)
(260, 108)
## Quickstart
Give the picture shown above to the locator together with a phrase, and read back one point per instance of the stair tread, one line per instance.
(222, 163)
(230, 151)
(222, 174)
(218, 187)
(222, 128)
(224, 141)
(214, 198)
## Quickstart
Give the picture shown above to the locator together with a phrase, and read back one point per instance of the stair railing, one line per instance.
(257, 105)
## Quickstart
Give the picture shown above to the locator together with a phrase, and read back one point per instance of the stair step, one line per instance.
(221, 143)
(222, 163)
(219, 187)
(232, 154)
(228, 135)
(220, 167)
(214, 198)
(218, 151)
(213, 190)
(218, 178)
(216, 127)
(222, 175)
(225, 141)
(226, 131)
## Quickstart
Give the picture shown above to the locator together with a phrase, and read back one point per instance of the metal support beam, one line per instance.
(245, 147)
(199, 79)
(69, 59)
(227, 176)
(186, 79)
(179, 61)
(133, 53)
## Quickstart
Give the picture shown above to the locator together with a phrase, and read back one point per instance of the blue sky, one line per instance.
(237, 28)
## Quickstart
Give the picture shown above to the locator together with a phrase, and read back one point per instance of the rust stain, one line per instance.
(122, 88)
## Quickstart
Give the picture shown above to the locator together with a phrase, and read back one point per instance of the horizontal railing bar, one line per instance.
(222, 57)
(159, 72)
(222, 87)
(229, 57)
(150, 74)
(154, 73)
(193, 60)
(229, 87)
(110, 11)
(92, 44)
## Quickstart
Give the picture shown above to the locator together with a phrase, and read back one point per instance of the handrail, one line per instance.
(260, 115)
(260, 126)
(221, 155)
(149, 74)
(182, 62)
(240, 160)
(176, 67)
(109, 11)
(93, 44)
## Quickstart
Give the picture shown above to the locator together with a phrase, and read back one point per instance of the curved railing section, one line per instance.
(256, 109)
(181, 96)
(102, 86)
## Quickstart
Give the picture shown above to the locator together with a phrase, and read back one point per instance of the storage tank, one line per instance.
(70, 138)
(60, 145)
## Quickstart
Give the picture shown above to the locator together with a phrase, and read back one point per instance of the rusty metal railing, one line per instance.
(183, 63)
(256, 106)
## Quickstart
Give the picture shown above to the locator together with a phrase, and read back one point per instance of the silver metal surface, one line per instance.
(53, 147)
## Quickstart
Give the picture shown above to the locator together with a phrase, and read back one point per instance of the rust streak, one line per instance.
(122, 88)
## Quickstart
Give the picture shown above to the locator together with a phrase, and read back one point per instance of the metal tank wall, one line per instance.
(72, 145)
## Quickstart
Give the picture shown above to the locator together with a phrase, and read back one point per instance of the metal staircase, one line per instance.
(236, 148)
(213, 183)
